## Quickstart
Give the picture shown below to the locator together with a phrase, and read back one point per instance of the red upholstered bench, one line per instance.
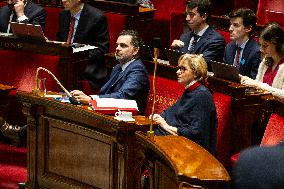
(274, 134)
(224, 116)
(116, 23)
(161, 24)
(2, 4)
(167, 92)
(51, 24)
(13, 166)
(20, 69)
(270, 6)
(226, 35)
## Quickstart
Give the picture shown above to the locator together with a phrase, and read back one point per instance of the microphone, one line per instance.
(35, 90)
(156, 45)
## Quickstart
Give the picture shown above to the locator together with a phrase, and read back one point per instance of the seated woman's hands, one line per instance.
(80, 96)
(162, 122)
(248, 82)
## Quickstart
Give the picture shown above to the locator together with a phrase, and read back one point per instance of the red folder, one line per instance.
(110, 110)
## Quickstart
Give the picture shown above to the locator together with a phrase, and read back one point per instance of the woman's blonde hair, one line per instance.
(197, 64)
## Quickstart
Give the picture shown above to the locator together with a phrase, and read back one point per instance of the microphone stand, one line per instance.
(151, 133)
(35, 90)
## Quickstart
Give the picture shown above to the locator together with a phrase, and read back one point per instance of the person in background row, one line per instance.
(129, 78)
(83, 23)
(203, 39)
(260, 168)
(243, 51)
(194, 114)
(23, 11)
(270, 75)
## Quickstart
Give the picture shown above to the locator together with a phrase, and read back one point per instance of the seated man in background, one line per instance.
(23, 11)
(194, 114)
(243, 51)
(203, 39)
(82, 23)
(259, 168)
(129, 78)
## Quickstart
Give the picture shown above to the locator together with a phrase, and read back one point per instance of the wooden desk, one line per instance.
(273, 105)
(72, 147)
(70, 64)
(177, 161)
(246, 110)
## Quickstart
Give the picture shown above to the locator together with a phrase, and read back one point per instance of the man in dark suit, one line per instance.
(243, 52)
(21, 11)
(129, 78)
(82, 23)
(260, 168)
(203, 39)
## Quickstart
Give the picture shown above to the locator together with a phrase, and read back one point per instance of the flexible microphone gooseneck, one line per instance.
(156, 45)
(35, 90)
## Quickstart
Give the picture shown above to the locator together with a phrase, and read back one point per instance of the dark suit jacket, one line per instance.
(92, 29)
(260, 168)
(211, 44)
(132, 83)
(35, 14)
(194, 115)
(250, 58)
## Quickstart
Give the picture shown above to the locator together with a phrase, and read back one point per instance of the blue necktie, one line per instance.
(105, 89)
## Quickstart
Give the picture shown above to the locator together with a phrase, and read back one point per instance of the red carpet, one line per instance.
(13, 166)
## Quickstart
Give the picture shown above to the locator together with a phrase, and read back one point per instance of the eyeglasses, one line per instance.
(181, 68)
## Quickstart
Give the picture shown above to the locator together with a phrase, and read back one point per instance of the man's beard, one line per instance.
(118, 58)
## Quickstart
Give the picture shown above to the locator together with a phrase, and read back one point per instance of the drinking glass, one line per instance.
(41, 88)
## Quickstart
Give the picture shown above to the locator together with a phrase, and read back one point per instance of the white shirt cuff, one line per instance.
(22, 18)
(94, 97)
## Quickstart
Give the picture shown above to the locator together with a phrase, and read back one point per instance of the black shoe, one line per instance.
(10, 132)
(22, 185)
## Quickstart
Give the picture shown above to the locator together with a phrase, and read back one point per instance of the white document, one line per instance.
(119, 103)
(83, 47)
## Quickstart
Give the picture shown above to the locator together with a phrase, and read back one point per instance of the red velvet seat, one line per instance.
(13, 166)
(20, 69)
(274, 134)
(51, 24)
(270, 5)
(2, 3)
(224, 116)
(273, 16)
(161, 25)
(177, 20)
(167, 92)
(116, 23)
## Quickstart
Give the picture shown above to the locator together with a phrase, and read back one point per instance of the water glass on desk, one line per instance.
(41, 88)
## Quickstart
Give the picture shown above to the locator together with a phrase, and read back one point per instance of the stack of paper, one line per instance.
(111, 105)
